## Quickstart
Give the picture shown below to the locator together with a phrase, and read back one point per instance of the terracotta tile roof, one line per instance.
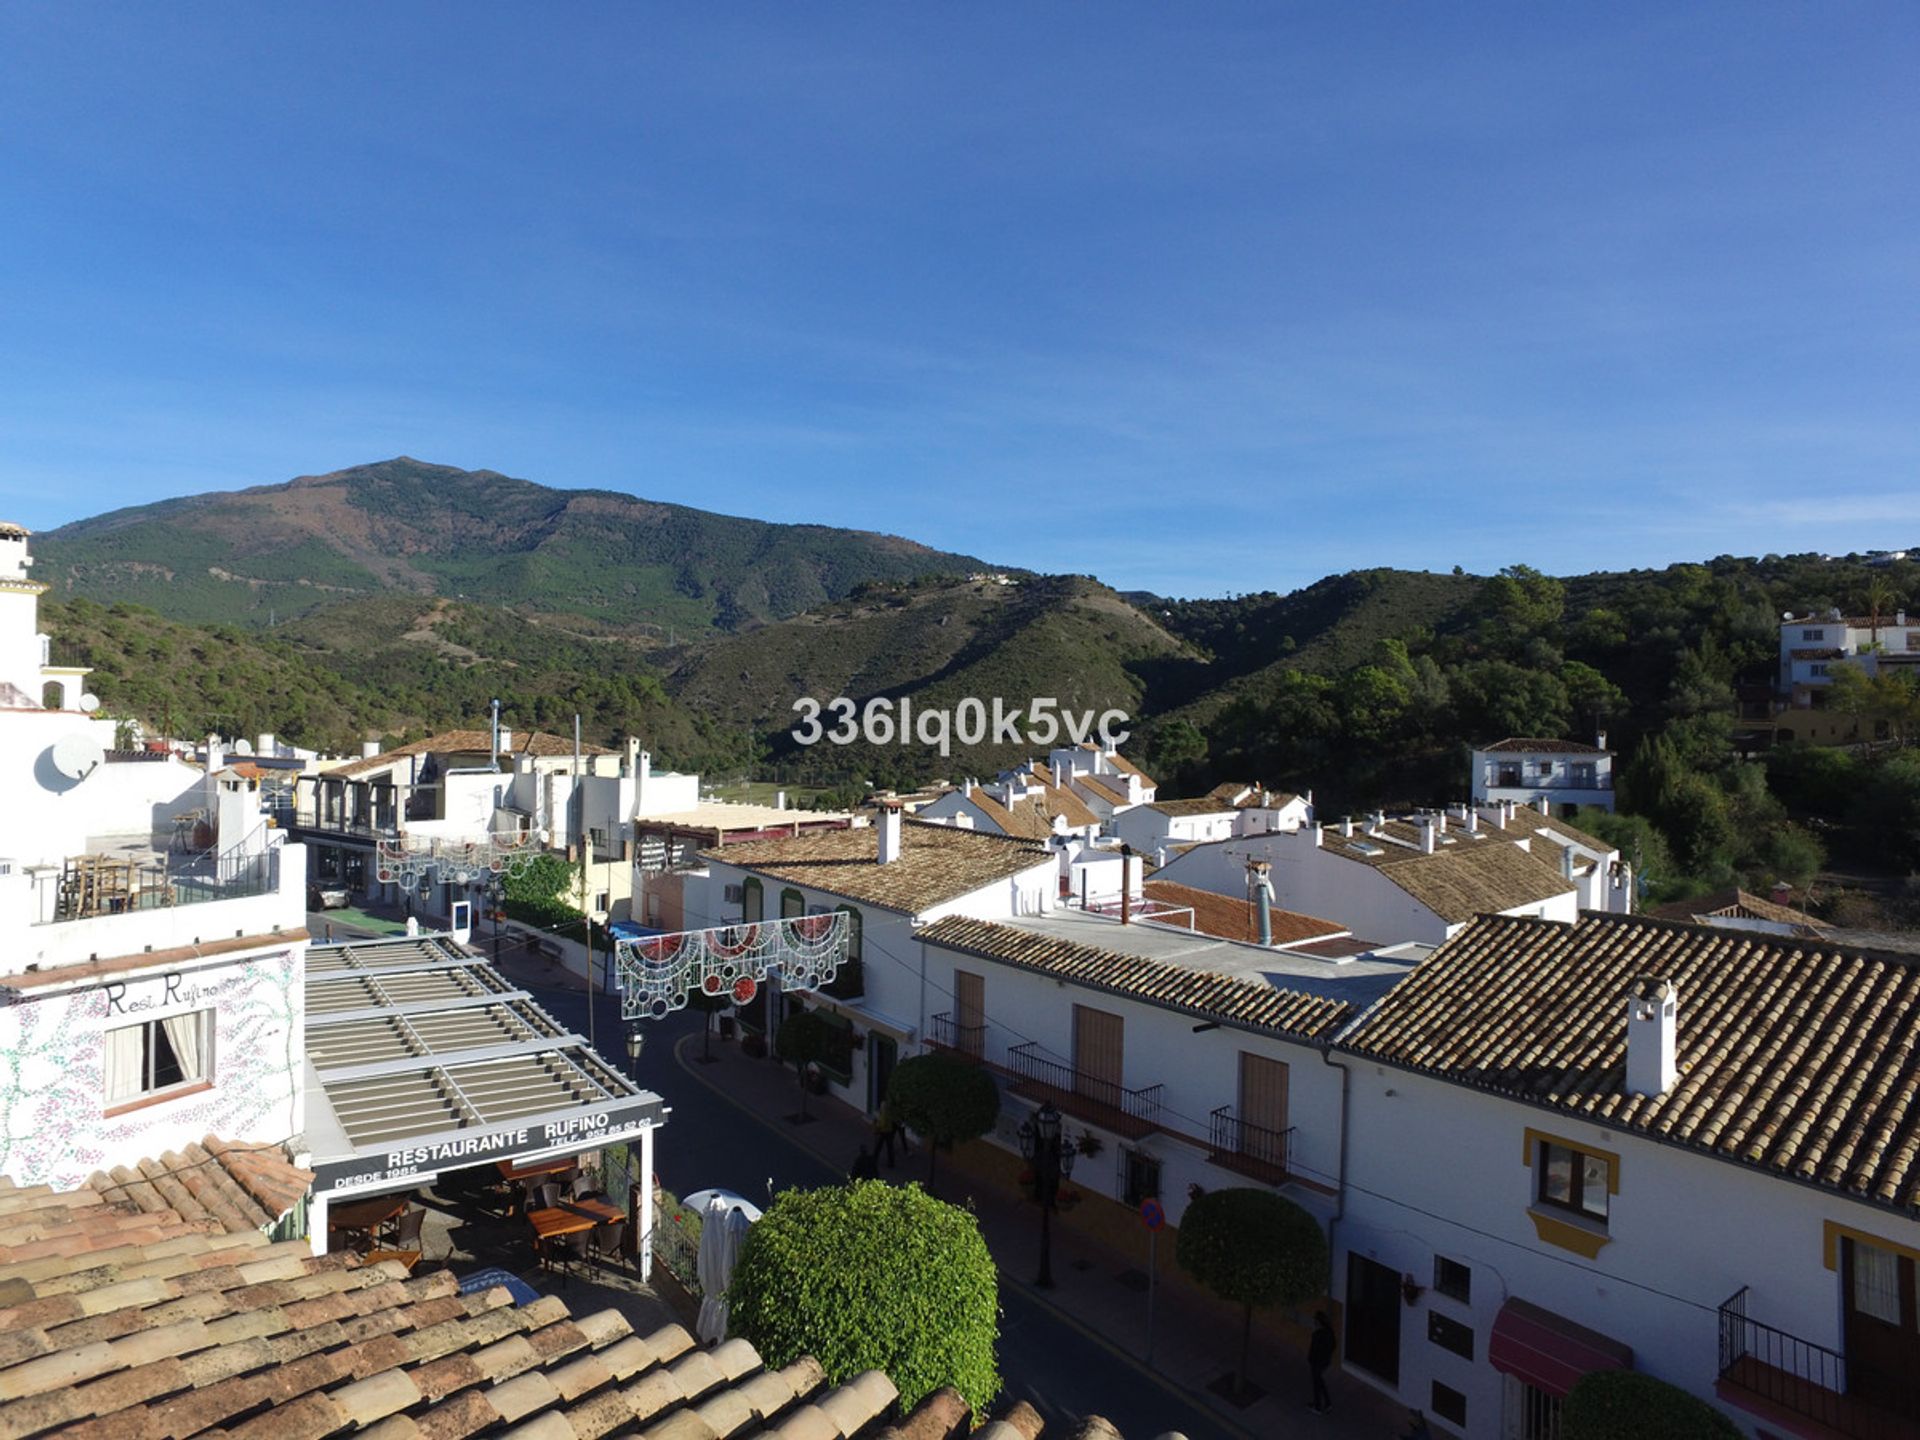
(937, 863)
(1737, 904)
(116, 1324)
(1458, 881)
(1518, 744)
(1106, 785)
(1527, 819)
(1204, 805)
(1061, 801)
(1127, 767)
(1235, 919)
(1795, 1057)
(1025, 819)
(1177, 987)
(471, 742)
(238, 1187)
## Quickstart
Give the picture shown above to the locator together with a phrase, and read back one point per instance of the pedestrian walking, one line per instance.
(885, 1129)
(1319, 1357)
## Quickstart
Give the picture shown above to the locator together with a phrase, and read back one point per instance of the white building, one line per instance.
(891, 879)
(1104, 779)
(1811, 646)
(1422, 878)
(1021, 803)
(1531, 771)
(1156, 827)
(151, 934)
(1631, 1142)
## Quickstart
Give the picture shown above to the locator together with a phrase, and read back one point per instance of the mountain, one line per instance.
(935, 642)
(273, 552)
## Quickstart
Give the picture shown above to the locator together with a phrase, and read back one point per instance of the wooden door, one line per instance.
(1263, 1108)
(1373, 1318)
(969, 1013)
(1882, 1327)
(1098, 1054)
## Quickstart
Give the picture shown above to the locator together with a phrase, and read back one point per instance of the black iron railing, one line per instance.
(967, 1040)
(1813, 1381)
(1236, 1140)
(1091, 1097)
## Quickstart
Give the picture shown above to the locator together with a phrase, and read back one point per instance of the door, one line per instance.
(969, 1014)
(883, 1053)
(1263, 1109)
(1882, 1336)
(1097, 1055)
(1373, 1318)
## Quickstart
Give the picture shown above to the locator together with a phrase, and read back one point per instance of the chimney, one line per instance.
(1059, 772)
(505, 742)
(1900, 617)
(1782, 893)
(779, 799)
(1543, 805)
(966, 787)
(1600, 740)
(369, 749)
(1346, 827)
(633, 755)
(1126, 885)
(1566, 862)
(1428, 832)
(264, 744)
(1652, 1037)
(889, 828)
(1262, 881)
(1320, 834)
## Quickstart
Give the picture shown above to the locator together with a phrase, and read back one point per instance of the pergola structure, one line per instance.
(423, 1058)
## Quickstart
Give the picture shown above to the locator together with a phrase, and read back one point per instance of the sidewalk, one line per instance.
(1099, 1288)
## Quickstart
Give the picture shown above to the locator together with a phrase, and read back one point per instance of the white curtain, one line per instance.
(1876, 1282)
(125, 1052)
(185, 1033)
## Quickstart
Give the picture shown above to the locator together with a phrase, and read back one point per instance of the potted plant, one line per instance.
(1089, 1144)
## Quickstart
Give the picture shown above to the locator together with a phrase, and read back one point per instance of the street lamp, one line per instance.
(636, 1042)
(1050, 1154)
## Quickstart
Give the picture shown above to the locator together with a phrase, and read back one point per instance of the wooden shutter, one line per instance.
(1097, 1054)
(1263, 1095)
(969, 1011)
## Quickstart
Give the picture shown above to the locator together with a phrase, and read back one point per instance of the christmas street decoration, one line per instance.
(658, 972)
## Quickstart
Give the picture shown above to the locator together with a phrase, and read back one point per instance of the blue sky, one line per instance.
(1199, 299)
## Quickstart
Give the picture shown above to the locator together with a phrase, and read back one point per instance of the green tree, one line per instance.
(1627, 1405)
(1178, 745)
(943, 1099)
(871, 1276)
(802, 1040)
(1253, 1248)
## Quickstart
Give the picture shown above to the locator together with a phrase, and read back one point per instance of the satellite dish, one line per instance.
(89, 703)
(76, 756)
(243, 747)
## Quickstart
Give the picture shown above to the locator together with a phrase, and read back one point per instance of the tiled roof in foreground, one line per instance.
(1795, 1056)
(237, 1187)
(1196, 992)
(1466, 875)
(118, 1325)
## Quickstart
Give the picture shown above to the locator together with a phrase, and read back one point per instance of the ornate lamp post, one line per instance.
(1050, 1154)
(636, 1042)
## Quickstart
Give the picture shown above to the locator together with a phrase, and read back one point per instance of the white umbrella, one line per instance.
(723, 1229)
(701, 1199)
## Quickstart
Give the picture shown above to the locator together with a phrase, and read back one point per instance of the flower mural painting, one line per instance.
(57, 1126)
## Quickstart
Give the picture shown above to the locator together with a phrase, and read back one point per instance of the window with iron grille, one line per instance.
(1139, 1176)
(1452, 1279)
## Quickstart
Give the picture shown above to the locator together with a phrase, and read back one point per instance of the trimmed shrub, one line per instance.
(871, 1276)
(1626, 1405)
(944, 1099)
(1254, 1248)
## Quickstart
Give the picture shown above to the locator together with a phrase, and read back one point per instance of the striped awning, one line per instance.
(1548, 1351)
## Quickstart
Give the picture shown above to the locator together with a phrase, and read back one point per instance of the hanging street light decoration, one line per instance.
(412, 863)
(657, 973)
(1049, 1154)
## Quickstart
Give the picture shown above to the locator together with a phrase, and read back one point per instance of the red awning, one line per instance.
(1549, 1352)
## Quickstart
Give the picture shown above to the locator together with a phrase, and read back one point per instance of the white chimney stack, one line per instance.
(889, 828)
(1428, 832)
(1566, 861)
(1600, 740)
(1346, 826)
(1652, 1037)
(369, 749)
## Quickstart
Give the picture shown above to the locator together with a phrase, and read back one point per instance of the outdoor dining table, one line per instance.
(560, 1166)
(365, 1217)
(570, 1218)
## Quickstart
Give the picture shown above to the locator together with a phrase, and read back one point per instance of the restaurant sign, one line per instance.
(455, 1149)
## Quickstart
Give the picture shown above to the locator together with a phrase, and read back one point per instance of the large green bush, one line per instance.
(1626, 1405)
(871, 1276)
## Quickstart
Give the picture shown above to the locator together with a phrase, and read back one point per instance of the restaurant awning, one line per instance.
(426, 1058)
(1549, 1351)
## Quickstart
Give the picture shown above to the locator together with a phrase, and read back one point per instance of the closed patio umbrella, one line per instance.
(723, 1230)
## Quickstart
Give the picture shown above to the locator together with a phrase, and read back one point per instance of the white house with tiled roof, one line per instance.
(1419, 878)
(1812, 646)
(1186, 1058)
(1160, 825)
(1630, 1142)
(891, 879)
(1024, 803)
(1527, 771)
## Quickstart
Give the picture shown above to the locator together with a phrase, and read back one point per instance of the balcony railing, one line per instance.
(1249, 1149)
(87, 886)
(1089, 1097)
(1764, 1369)
(966, 1041)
